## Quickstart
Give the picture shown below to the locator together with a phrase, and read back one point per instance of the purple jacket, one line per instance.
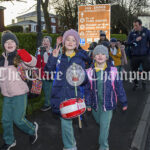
(110, 95)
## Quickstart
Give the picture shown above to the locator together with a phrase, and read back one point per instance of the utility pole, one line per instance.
(39, 32)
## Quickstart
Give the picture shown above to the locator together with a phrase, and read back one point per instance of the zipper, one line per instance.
(104, 96)
(112, 98)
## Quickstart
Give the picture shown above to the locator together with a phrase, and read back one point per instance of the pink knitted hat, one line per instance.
(71, 32)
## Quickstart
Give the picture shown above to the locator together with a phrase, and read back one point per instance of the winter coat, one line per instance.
(11, 84)
(141, 47)
(110, 95)
(61, 89)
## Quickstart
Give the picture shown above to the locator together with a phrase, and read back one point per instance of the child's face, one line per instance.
(102, 37)
(70, 43)
(46, 43)
(10, 46)
(112, 44)
(100, 58)
(122, 47)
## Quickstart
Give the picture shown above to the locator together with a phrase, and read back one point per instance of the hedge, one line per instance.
(14, 28)
(28, 41)
(121, 37)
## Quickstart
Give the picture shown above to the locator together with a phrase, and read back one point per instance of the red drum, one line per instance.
(72, 108)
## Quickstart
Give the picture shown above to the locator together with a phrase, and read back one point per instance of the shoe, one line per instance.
(135, 86)
(33, 138)
(7, 146)
(45, 108)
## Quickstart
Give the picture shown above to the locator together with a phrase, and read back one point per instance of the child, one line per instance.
(115, 53)
(14, 90)
(62, 90)
(124, 57)
(102, 37)
(103, 93)
(42, 58)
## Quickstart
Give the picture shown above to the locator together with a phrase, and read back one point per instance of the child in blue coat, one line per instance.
(105, 88)
(62, 90)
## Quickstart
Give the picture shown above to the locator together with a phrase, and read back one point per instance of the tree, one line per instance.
(46, 15)
(128, 11)
(67, 10)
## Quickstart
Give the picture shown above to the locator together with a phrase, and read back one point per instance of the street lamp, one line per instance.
(39, 32)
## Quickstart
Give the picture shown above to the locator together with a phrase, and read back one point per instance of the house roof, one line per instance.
(34, 13)
(27, 22)
(1, 7)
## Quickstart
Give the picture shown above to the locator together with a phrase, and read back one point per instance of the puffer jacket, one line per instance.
(141, 47)
(61, 89)
(110, 95)
(11, 83)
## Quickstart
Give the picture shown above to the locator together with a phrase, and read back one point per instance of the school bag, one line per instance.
(113, 75)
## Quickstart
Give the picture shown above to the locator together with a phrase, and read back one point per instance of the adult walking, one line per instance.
(139, 40)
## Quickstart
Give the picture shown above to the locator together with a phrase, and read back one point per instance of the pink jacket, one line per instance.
(11, 83)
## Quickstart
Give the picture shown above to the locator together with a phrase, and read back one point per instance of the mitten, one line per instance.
(25, 56)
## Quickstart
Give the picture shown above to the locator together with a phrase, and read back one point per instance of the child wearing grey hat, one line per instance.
(102, 37)
(105, 89)
(42, 55)
(14, 90)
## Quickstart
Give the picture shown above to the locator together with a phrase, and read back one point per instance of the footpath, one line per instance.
(122, 130)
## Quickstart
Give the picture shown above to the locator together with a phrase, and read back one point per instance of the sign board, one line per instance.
(92, 19)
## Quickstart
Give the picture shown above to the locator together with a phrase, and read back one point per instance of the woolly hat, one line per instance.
(72, 33)
(8, 35)
(105, 43)
(50, 39)
(101, 49)
(102, 33)
(113, 40)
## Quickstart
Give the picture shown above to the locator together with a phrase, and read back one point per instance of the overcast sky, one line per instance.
(16, 9)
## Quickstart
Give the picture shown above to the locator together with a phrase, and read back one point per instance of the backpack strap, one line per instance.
(57, 67)
(90, 74)
(113, 75)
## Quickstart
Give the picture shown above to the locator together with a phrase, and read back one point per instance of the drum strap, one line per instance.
(57, 67)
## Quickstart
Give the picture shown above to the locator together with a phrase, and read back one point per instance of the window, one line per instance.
(53, 20)
(53, 28)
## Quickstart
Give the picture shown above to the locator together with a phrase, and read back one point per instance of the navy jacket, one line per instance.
(141, 47)
(61, 89)
(109, 95)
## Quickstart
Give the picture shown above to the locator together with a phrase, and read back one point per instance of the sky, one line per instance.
(16, 9)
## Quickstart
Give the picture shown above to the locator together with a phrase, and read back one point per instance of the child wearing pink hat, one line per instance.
(62, 90)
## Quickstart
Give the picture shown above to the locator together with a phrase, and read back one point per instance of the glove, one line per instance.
(25, 56)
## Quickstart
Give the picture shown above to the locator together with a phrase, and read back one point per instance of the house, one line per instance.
(29, 22)
(2, 18)
(145, 20)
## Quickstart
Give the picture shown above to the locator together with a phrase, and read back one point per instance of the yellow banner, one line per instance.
(92, 19)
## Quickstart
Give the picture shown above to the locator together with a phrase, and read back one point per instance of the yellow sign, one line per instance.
(92, 19)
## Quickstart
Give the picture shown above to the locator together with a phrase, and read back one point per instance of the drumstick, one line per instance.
(79, 119)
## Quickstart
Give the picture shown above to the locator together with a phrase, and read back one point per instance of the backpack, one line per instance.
(113, 76)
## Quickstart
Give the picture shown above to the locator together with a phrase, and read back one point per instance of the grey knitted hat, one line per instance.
(50, 39)
(8, 35)
(101, 49)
